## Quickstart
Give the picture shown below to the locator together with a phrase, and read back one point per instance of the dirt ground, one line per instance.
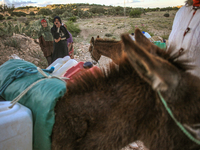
(29, 50)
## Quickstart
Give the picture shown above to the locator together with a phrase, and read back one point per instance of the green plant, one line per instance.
(27, 22)
(44, 11)
(32, 13)
(9, 17)
(73, 19)
(135, 13)
(18, 14)
(108, 34)
(1, 17)
(73, 29)
(15, 19)
(12, 42)
(166, 15)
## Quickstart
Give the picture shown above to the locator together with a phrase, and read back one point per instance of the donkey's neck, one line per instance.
(109, 49)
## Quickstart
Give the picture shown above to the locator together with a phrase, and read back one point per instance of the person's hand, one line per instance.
(57, 40)
(58, 24)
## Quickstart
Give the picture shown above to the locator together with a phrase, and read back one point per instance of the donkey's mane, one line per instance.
(88, 81)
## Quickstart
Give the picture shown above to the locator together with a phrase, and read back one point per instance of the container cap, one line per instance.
(143, 32)
(87, 65)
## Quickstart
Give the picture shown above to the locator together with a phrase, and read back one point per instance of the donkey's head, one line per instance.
(167, 74)
(159, 68)
(94, 53)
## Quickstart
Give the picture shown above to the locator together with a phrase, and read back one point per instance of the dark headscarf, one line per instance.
(56, 17)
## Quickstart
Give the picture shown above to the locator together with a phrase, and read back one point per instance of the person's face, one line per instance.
(44, 24)
(57, 23)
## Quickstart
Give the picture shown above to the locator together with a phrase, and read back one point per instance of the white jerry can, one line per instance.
(16, 127)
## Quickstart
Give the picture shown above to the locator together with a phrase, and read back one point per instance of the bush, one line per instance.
(44, 11)
(9, 17)
(1, 17)
(73, 19)
(97, 10)
(135, 13)
(13, 42)
(73, 29)
(108, 35)
(18, 14)
(32, 13)
(27, 22)
(166, 15)
(58, 11)
(67, 14)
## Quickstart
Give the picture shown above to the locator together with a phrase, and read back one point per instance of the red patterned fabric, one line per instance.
(196, 3)
(43, 20)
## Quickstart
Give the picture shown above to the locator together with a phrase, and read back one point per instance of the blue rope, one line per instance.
(18, 73)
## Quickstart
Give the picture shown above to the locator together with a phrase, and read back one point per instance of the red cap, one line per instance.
(43, 20)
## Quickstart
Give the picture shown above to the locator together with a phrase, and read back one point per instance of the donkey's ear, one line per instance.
(145, 43)
(97, 36)
(156, 71)
(92, 40)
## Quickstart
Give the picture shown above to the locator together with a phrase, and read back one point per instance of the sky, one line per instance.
(128, 3)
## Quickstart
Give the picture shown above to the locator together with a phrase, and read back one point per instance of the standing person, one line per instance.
(70, 44)
(185, 34)
(60, 35)
(46, 40)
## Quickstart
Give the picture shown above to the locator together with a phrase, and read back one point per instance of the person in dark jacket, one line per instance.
(60, 35)
(46, 40)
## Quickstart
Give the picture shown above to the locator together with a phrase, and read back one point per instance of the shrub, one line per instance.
(108, 35)
(44, 11)
(67, 14)
(73, 29)
(1, 17)
(73, 19)
(32, 13)
(166, 15)
(18, 14)
(9, 17)
(13, 42)
(135, 13)
(27, 22)
(58, 11)
(97, 10)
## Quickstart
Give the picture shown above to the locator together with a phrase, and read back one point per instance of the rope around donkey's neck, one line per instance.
(176, 121)
(13, 102)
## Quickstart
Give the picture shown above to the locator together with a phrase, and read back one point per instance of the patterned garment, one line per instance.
(185, 36)
(71, 50)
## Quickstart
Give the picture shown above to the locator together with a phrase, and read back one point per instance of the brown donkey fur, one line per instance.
(108, 48)
(113, 108)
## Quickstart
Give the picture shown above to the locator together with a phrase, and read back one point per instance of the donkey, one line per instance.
(109, 48)
(108, 109)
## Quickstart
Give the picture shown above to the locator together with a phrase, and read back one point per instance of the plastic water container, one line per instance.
(70, 63)
(146, 34)
(77, 70)
(74, 70)
(57, 64)
(16, 125)
(132, 37)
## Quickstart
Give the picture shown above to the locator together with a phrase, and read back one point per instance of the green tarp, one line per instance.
(41, 99)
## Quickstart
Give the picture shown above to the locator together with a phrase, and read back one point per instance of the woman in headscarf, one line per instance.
(70, 44)
(185, 34)
(46, 40)
(60, 35)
